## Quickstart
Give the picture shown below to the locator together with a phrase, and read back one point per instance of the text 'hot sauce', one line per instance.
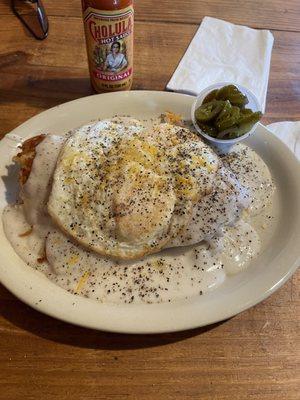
(108, 28)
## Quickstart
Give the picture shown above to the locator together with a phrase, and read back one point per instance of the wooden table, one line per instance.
(254, 355)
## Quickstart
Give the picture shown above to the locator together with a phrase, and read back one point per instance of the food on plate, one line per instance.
(122, 212)
(223, 115)
(128, 195)
(26, 156)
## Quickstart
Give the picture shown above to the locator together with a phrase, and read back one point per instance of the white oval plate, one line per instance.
(266, 274)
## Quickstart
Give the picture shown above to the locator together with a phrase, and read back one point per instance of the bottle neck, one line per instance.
(106, 4)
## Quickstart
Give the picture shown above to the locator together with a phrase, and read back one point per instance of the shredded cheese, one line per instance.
(82, 281)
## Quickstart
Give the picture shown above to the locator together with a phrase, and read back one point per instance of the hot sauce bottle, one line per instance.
(108, 26)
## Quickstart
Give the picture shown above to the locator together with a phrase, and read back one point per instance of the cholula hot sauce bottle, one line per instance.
(108, 26)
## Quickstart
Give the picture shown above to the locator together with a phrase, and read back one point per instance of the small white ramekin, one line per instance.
(225, 144)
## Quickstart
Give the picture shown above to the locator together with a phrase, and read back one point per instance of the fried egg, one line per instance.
(124, 191)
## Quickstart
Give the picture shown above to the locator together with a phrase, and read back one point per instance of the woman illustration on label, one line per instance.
(115, 60)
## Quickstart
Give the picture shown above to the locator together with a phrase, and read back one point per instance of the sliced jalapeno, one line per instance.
(208, 129)
(246, 111)
(244, 125)
(233, 94)
(211, 96)
(249, 117)
(228, 119)
(208, 111)
(223, 113)
(226, 109)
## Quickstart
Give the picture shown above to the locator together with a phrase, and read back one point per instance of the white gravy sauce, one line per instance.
(171, 274)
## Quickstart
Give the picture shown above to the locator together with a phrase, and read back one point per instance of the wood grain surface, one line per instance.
(267, 14)
(255, 355)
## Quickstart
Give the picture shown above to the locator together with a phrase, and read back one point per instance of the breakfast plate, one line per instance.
(267, 272)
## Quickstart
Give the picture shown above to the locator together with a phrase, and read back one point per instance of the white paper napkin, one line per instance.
(289, 133)
(224, 52)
